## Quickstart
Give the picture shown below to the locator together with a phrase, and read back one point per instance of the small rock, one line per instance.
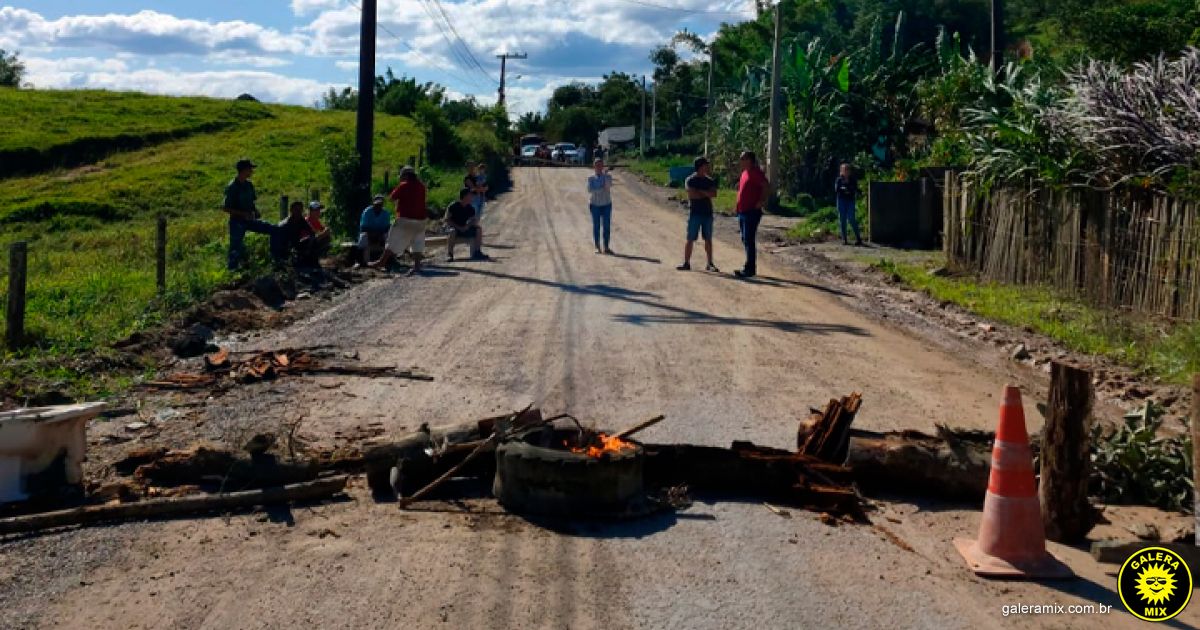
(192, 342)
(136, 426)
(940, 272)
(268, 290)
(987, 328)
(1145, 531)
(1020, 353)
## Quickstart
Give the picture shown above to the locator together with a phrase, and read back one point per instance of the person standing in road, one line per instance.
(701, 190)
(480, 189)
(845, 188)
(751, 198)
(600, 191)
(408, 232)
(239, 204)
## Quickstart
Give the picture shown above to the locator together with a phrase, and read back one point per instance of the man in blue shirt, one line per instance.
(373, 228)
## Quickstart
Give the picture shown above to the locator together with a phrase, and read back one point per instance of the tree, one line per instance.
(531, 122)
(346, 100)
(12, 71)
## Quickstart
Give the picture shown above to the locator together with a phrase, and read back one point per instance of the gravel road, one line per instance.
(611, 339)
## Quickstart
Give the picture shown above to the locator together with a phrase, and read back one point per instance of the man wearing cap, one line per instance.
(701, 189)
(314, 221)
(373, 228)
(239, 204)
(408, 232)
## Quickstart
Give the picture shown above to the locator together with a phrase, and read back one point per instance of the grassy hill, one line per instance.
(91, 228)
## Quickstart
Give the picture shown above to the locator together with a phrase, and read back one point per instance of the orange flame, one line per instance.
(608, 444)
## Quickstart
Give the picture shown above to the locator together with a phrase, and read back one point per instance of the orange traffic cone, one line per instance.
(1012, 541)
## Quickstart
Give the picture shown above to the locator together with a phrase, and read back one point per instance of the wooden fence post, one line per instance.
(1065, 457)
(283, 207)
(1196, 447)
(160, 254)
(15, 330)
(386, 176)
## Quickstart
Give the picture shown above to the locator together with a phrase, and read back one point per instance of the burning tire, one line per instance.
(553, 480)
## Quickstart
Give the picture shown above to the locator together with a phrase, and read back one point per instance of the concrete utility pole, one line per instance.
(365, 135)
(998, 37)
(643, 127)
(712, 51)
(773, 130)
(653, 113)
(503, 67)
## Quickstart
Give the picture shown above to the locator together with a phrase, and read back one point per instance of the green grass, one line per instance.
(1168, 352)
(91, 229)
(658, 169)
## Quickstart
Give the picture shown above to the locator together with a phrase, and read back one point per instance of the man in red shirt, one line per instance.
(408, 232)
(751, 197)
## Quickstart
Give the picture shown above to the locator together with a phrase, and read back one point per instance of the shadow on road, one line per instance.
(781, 283)
(652, 261)
(681, 315)
(627, 528)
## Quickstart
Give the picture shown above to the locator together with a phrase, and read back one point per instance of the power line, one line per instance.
(450, 44)
(418, 53)
(470, 55)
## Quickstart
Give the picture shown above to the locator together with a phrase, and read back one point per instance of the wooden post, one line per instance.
(386, 176)
(1065, 459)
(316, 194)
(15, 331)
(160, 253)
(1196, 446)
(283, 207)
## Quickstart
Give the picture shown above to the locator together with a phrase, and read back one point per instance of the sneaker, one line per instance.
(599, 251)
(742, 274)
(685, 267)
(480, 256)
(450, 257)
(711, 267)
(608, 251)
(859, 243)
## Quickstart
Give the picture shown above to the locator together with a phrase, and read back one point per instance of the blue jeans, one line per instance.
(478, 203)
(748, 224)
(237, 239)
(601, 217)
(847, 213)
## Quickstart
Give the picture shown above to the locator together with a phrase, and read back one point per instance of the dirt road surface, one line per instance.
(611, 339)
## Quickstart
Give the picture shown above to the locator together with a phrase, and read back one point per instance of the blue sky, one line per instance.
(293, 50)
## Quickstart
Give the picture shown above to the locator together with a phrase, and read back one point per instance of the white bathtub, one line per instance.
(32, 440)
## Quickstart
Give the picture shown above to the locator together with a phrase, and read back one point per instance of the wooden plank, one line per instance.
(177, 506)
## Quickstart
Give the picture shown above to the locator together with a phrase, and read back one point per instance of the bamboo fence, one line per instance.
(1125, 249)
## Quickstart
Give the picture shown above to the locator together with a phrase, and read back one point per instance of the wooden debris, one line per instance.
(776, 511)
(830, 429)
(207, 464)
(221, 370)
(924, 465)
(159, 508)
(1065, 457)
(641, 426)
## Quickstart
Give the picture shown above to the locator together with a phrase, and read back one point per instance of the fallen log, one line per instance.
(751, 471)
(918, 464)
(204, 463)
(179, 506)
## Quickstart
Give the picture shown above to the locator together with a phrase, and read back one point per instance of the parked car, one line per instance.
(529, 154)
(564, 152)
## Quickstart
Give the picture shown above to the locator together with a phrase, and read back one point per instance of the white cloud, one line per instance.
(302, 7)
(79, 73)
(146, 32)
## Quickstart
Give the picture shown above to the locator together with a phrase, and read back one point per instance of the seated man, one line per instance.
(460, 216)
(373, 229)
(298, 236)
(314, 222)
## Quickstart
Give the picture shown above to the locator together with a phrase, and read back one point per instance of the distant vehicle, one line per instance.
(529, 153)
(564, 152)
(531, 139)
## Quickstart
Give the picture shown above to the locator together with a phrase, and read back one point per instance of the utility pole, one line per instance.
(773, 131)
(365, 136)
(653, 113)
(503, 67)
(712, 51)
(643, 127)
(998, 37)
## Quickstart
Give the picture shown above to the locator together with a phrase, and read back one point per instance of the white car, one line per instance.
(529, 153)
(564, 152)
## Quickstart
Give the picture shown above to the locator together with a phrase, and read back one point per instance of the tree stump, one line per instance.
(1065, 458)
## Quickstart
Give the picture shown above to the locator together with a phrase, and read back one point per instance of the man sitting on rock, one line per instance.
(460, 216)
(373, 228)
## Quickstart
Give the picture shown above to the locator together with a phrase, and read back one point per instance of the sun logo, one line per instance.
(1155, 584)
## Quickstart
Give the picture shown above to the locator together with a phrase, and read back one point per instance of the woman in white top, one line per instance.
(600, 191)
